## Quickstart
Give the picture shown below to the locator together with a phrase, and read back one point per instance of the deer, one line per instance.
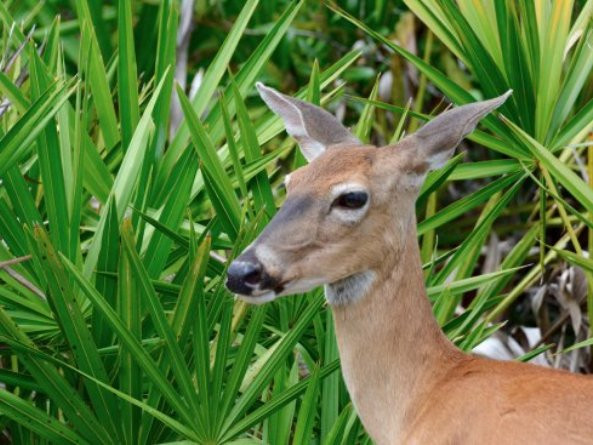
(348, 223)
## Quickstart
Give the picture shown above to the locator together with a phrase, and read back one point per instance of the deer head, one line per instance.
(349, 209)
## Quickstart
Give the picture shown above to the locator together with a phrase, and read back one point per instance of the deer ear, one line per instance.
(431, 146)
(314, 128)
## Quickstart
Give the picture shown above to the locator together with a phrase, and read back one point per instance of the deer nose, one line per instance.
(244, 276)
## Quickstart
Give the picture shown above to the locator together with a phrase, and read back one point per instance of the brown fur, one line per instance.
(409, 384)
(414, 387)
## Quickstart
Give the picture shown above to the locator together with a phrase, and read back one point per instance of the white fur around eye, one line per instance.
(349, 216)
(287, 179)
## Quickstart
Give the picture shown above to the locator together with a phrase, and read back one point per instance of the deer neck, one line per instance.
(391, 347)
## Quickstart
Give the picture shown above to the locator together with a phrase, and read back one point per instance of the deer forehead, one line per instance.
(337, 165)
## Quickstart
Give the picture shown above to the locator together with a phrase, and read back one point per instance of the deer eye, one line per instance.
(351, 200)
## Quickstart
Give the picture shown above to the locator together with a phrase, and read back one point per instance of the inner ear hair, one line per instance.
(314, 128)
(431, 146)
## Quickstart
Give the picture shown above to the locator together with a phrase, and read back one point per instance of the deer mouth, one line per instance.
(297, 286)
(259, 298)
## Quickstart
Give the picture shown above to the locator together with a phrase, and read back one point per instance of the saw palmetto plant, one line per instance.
(136, 161)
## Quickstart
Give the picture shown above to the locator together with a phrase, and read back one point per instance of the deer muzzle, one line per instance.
(248, 277)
